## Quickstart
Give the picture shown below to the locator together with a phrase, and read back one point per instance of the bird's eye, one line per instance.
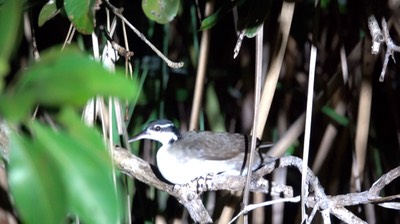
(157, 128)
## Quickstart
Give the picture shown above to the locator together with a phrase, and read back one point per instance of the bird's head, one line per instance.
(163, 131)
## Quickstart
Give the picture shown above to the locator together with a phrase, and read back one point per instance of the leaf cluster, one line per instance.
(59, 167)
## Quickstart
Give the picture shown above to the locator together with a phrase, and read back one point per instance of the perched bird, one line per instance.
(185, 157)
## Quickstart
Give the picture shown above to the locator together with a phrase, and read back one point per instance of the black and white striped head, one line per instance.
(163, 131)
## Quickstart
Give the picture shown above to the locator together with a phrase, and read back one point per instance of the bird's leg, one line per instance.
(204, 183)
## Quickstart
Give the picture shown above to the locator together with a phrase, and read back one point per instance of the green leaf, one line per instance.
(60, 79)
(213, 111)
(86, 168)
(86, 136)
(81, 14)
(161, 11)
(15, 108)
(48, 12)
(213, 19)
(35, 183)
(10, 26)
(4, 68)
(342, 120)
(63, 172)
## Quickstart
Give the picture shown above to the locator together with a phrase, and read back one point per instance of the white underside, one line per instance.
(182, 171)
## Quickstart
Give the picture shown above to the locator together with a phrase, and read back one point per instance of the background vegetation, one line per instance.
(68, 173)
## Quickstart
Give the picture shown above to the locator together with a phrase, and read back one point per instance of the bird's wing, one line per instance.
(214, 145)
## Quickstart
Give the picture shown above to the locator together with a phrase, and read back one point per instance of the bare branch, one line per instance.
(345, 215)
(379, 36)
(376, 34)
(382, 182)
(248, 208)
(117, 12)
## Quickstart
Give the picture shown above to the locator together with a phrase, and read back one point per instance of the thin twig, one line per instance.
(238, 45)
(117, 12)
(248, 208)
(70, 35)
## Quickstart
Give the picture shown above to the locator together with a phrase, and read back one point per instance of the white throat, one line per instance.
(165, 138)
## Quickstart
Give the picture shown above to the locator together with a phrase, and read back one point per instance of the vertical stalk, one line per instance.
(201, 73)
(258, 69)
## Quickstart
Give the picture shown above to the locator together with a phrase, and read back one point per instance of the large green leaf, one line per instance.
(86, 168)
(63, 78)
(81, 14)
(35, 183)
(161, 11)
(10, 26)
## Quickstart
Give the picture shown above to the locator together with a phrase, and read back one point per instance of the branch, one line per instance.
(316, 198)
(118, 13)
(379, 36)
(373, 193)
(190, 198)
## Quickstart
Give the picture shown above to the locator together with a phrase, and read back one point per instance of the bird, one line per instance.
(183, 157)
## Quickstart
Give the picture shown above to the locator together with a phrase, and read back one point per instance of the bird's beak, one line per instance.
(139, 136)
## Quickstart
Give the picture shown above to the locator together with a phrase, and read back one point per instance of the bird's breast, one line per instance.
(181, 167)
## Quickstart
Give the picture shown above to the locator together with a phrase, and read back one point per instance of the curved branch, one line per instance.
(190, 198)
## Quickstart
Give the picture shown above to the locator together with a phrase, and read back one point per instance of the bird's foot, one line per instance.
(204, 183)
